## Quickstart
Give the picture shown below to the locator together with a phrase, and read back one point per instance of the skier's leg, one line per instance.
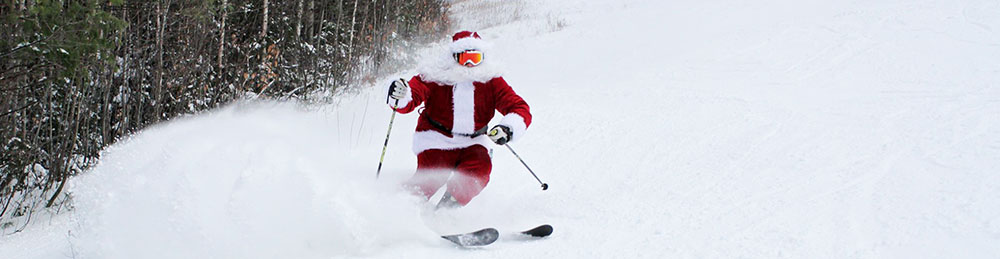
(434, 166)
(473, 173)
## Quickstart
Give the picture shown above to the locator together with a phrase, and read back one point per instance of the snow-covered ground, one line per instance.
(695, 129)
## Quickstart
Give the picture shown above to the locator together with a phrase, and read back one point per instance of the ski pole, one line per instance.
(386, 145)
(545, 186)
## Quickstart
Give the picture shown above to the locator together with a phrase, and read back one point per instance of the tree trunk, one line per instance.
(159, 51)
(262, 84)
(263, 30)
(161, 17)
(338, 24)
(354, 19)
(298, 24)
(52, 200)
(322, 24)
(222, 33)
(310, 21)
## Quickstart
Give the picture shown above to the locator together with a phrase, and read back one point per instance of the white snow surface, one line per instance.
(665, 129)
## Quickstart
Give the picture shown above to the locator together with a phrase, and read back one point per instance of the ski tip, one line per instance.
(540, 231)
(481, 237)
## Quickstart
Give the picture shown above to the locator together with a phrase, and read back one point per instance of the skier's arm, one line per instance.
(516, 113)
(417, 95)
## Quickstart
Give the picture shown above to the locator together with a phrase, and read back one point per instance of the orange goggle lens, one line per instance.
(469, 58)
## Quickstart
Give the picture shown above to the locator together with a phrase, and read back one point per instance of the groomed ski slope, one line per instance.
(665, 129)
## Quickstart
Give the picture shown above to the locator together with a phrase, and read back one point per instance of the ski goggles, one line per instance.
(469, 58)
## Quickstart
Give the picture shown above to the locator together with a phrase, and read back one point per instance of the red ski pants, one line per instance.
(471, 165)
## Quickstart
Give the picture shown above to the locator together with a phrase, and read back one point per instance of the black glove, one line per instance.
(500, 134)
(398, 90)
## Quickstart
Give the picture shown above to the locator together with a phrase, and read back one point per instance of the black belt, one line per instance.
(441, 127)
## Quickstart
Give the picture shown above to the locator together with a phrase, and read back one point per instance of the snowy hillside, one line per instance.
(665, 129)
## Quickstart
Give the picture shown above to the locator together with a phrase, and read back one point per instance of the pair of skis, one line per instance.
(487, 236)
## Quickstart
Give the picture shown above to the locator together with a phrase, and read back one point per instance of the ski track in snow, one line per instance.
(665, 129)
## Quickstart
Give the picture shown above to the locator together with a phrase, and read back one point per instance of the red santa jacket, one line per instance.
(464, 108)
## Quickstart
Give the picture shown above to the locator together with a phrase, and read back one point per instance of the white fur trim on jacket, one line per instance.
(516, 124)
(469, 43)
(441, 67)
(424, 140)
(464, 106)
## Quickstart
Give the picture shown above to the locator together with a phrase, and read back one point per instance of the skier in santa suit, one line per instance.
(460, 92)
